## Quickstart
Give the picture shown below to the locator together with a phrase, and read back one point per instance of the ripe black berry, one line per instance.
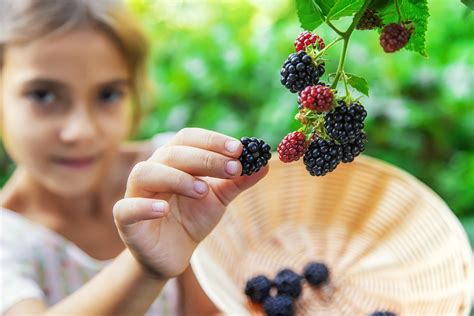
(369, 20)
(354, 148)
(258, 288)
(345, 123)
(322, 157)
(316, 273)
(255, 155)
(299, 71)
(281, 305)
(383, 313)
(394, 37)
(288, 282)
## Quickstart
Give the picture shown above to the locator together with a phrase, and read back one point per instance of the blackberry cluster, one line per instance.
(288, 282)
(354, 148)
(316, 98)
(299, 71)
(258, 288)
(345, 123)
(383, 313)
(255, 155)
(322, 157)
(316, 273)
(281, 305)
(369, 21)
(394, 37)
(306, 39)
(292, 147)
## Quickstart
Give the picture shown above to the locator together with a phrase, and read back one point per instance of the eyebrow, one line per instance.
(56, 83)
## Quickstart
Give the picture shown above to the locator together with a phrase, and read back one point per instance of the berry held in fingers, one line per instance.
(292, 147)
(255, 155)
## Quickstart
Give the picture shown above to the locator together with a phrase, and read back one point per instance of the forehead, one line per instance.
(85, 54)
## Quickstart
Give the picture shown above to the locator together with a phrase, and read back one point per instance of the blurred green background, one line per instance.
(215, 65)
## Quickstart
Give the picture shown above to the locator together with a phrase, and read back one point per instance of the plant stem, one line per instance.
(398, 12)
(344, 78)
(346, 36)
(327, 47)
(335, 29)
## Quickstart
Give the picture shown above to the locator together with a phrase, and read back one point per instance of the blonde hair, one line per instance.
(25, 20)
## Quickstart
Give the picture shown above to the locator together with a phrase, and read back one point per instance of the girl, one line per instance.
(91, 225)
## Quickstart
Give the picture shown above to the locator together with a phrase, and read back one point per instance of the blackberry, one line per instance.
(369, 20)
(306, 39)
(345, 123)
(322, 157)
(354, 148)
(255, 155)
(292, 147)
(258, 288)
(316, 273)
(280, 305)
(288, 282)
(394, 37)
(316, 98)
(299, 71)
(384, 313)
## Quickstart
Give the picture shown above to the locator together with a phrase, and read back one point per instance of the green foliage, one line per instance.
(310, 17)
(358, 83)
(345, 8)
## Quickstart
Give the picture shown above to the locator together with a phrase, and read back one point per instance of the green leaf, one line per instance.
(309, 16)
(415, 11)
(468, 3)
(325, 5)
(358, 83)
(345, 8)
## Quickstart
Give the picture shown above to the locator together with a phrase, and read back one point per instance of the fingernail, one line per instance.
(232, 145)
(158, 207)
(200, 187)
(231, 167)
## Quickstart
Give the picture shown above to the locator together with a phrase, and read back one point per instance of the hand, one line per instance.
(175, 198)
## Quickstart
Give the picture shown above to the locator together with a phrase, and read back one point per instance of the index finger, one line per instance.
(208, 140)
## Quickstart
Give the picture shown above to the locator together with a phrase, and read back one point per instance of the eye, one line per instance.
(110, 95)
(42, 96)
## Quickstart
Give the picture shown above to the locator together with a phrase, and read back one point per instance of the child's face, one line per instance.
(65, 108)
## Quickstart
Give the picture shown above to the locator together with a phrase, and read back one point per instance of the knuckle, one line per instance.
(170, 155)
(180, 181)
(137, 173)
(209, 162)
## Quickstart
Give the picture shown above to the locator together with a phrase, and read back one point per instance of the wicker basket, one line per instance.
(389, 241)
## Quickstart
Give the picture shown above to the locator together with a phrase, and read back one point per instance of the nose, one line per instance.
(80, 127)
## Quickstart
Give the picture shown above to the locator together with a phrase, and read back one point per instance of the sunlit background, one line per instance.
(215, 65)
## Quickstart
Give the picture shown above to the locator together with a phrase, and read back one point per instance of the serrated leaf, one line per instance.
(325, 5)
(309, 16)
(358, 83)
(345, 8)
(415, 11)
(468, 3)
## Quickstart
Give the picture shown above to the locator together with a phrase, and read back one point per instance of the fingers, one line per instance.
(198, 162)
(228, 189)
(207, 140)
(131, 210)
(148, 178)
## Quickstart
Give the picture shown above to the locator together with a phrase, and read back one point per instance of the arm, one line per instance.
(122, 288)
(193, 299)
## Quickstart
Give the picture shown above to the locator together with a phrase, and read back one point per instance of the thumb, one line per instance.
(228, 189)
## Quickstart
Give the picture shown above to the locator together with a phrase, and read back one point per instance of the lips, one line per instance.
(76, 162)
